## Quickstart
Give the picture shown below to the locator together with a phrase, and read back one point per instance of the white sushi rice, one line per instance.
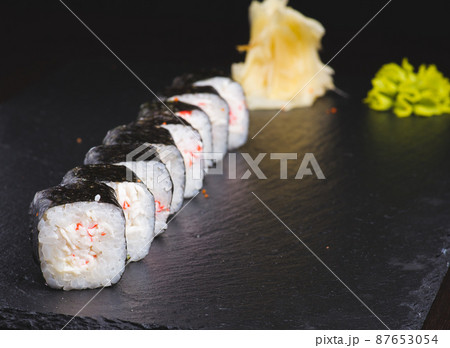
(233, 94)
(189, 143)
(173, 160)
(217, 110)
(82, 245)
(138, 207)
(200, 121)
(157, 179)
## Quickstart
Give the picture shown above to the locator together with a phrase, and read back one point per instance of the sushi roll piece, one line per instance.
(188, 141)
(207, 99)
(233, 93)
(143, 160)
(191, 113)
(136, 200)
(190, 144)
(78, 235)
(167, 152)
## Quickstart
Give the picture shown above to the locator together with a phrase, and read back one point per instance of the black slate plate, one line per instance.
(380, 220)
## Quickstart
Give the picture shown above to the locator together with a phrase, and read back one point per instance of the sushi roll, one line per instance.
(136, 200)
(233, 93)
(167, 152)
(191, 113)
(207, 99)
(78, 235)
(143, 160)
(188, 141)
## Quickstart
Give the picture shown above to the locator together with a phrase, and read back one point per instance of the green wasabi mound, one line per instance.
(425, 93)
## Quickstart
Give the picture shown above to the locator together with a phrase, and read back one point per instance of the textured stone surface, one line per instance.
(15, 319)
(380, 220)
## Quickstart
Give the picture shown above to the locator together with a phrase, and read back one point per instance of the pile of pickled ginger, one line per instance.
(282, 68)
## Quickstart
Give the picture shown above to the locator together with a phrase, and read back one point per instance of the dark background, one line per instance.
(39, 34)
(383, 210)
